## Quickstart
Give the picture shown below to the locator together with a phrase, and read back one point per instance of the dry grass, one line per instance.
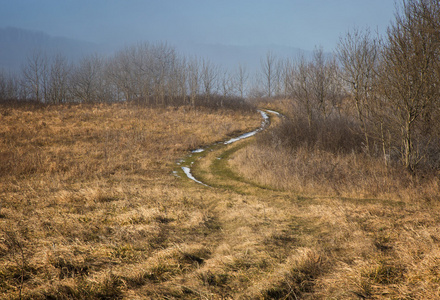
(377, 226)
(85, 189)
(327, 159)
(100, 140)
(90, 209)
(318, 173)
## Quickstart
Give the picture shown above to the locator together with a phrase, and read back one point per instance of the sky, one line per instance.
(302, 24)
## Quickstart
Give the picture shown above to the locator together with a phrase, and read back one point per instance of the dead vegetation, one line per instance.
(374, 227)
(87, 190)
(90, 209)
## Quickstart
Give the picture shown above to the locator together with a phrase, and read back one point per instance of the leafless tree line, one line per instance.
(394, 84)
(154, 74)
(390, 86)
(312, 82)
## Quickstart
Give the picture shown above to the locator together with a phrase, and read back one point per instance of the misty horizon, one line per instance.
(19, 44)
(226, 32)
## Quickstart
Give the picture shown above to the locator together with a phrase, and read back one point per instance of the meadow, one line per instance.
(91, 209)
(87, 194)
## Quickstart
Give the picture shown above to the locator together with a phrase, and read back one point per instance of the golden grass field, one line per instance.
(90, 209)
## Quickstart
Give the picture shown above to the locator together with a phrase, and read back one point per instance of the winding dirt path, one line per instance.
(208, 166)
(253, 233)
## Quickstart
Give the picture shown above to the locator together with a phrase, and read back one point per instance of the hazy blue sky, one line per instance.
(295, 23)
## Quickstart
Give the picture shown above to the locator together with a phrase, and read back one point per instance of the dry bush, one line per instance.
(222, 102)
(334, 135)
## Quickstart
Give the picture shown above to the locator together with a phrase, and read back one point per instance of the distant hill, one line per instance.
(16, 44)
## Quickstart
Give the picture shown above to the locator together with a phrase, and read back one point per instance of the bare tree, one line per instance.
(176, 70)
(182, 78)
(4, 86)
(268, 72)
(149, 72)
(358, 55)
(241, 79)
(9, 86)
(300, 85)
(227, 84)
(193, 79)
(409, 71)
(35, 73)
(121, 74)
(286, 69)
(88, 83)
(58, 80)
(323, 82)
(162, 59)
(279, 76)
(209, 76)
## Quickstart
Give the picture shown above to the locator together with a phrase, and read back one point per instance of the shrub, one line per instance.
(335, 135)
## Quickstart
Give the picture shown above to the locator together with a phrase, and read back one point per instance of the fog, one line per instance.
(295, 23)
(204, 27)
